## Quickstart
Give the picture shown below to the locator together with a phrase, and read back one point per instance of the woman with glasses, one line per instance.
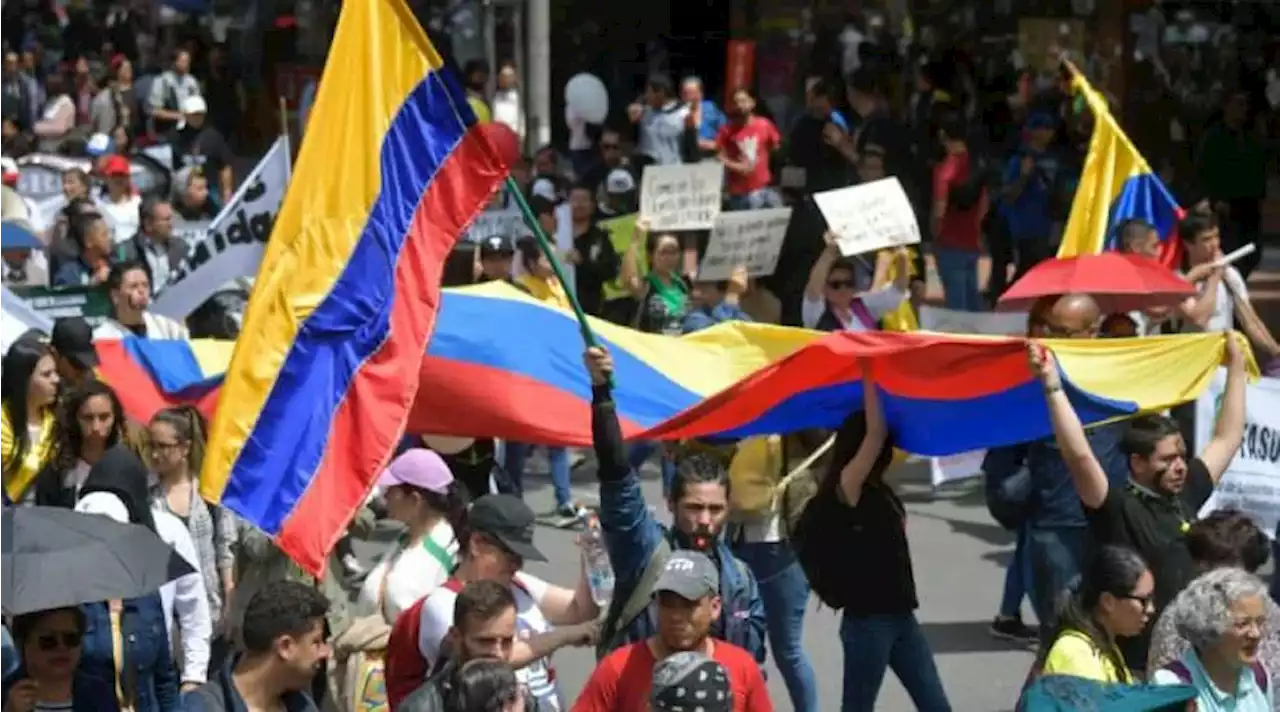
(1223, 615)
(1114, 599)
(831, 298)
(49, 643)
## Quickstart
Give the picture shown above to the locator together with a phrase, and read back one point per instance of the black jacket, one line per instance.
(430, 695)
(600, 265)
(219, 694)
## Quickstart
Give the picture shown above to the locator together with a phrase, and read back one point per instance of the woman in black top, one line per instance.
(877, 593)
(90, 422)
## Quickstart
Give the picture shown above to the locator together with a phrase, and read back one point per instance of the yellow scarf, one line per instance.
(904, 317)
(38, 454)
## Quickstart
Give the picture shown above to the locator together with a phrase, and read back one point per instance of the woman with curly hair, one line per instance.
(90, 421)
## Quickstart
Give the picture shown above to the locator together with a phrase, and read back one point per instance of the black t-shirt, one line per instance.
(876, 542)
(203, 147)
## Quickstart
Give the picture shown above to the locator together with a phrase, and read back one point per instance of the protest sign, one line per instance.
(191, 231)
(869, 217)
(233, 242)
(621, 231)
(501, 217)
(88, 302)
(949, 321)
(1251, 483)
(40, 174)
(750, 238)
(681, 197)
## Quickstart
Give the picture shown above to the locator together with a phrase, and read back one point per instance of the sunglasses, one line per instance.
(52, 641)
(840, 284)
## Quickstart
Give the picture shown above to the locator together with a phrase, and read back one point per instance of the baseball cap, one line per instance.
(509, 520)
(115, 166)
(496, 245)
(72, 337)
(690, 575)
(690, 681)
(98, 144)
(194, 105)
(618, 181)
(418, 467)
(105, 504)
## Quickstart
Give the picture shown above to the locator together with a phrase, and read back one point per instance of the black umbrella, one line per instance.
(53, 558)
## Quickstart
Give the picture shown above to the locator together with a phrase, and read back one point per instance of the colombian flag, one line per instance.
(1117, 184)
(315, 399)
(501, 364)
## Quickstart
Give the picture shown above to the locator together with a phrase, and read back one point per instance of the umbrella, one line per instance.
(14, 236)
(1120, 282)
(1067, 693)
(53, 558)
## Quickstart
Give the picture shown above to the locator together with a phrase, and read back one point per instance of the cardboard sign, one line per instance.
(681, 197)
(1251, 483)
(869, 217)
(750, 238)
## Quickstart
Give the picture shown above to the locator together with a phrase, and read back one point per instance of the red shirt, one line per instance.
(961, 229)
(622, 681)
(751, 141)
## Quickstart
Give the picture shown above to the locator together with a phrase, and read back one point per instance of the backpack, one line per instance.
(1009, 499)
(969, 193)
(824, 523)
(1179, 669)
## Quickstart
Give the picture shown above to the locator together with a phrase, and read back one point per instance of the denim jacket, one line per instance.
(631, 534)
(148, 660)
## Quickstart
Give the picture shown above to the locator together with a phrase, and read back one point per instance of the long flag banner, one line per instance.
(324, 373)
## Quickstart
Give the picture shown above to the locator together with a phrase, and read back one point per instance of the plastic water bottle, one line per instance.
(596, 560)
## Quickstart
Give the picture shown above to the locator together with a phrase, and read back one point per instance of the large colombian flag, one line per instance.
(1116, 184)
(315, 399)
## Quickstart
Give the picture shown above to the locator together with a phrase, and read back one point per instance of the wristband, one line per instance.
(1050, 390)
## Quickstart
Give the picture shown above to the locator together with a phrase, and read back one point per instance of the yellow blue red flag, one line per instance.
(1116, 184)
(315, 399)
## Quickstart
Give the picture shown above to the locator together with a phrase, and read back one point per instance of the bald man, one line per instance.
(1053, 536)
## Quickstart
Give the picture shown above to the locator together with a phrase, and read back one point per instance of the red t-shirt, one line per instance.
(961, 229)
(623, 680)
(752, 141)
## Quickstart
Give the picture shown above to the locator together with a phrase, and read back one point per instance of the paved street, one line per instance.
(959, 559)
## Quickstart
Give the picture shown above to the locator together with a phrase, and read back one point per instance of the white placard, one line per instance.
(502, 217)
(1251, 483)
(234, 241)
(869, 217)
(948, 321)
(751, 238)
(681, 197)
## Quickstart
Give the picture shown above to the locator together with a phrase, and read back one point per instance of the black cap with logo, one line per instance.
(507, 519)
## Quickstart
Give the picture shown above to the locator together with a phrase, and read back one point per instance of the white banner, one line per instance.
(18, 317)
(947, 321)
(234, 241)
(750, 238)
(681, 197)
(501, 217)
(869, 217)
(1251, 483)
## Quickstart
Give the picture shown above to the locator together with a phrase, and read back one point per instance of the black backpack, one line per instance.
(824, 522)
(967, 194)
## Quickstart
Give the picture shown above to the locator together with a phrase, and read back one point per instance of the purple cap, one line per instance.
(420, 468)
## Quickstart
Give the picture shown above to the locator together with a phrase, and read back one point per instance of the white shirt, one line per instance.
(158, 327)
(409, 574)
(184, 599)
(539, 677)
(506, 109)
(1224, 308)
(121, 217)
(878, 302)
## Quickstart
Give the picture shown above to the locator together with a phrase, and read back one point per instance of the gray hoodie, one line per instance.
(661, 132)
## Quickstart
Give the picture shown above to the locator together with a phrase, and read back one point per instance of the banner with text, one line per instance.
(869, 217)
(750, 238)
(681, 197)
(502, 217)
(88, 302)
(948, 321)
(234, 241)
(1251, 483)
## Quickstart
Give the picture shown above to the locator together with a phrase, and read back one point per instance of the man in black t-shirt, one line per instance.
(198, 143)
(1166, 487)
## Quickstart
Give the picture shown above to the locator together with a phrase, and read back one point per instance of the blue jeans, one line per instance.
(873, 644)
(958, 270)
(1057, 557)
(1017, 580)
(756, 200)
(785, 593)
(513, 462)
(640, 451)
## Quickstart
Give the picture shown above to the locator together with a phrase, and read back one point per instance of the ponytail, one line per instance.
(190, 426)
(453, 505)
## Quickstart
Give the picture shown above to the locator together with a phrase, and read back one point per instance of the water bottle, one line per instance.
(596, 560)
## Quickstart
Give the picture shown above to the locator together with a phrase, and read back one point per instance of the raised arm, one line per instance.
(1086, 472)
(821, 268)
(857, 470)
(1229, 430)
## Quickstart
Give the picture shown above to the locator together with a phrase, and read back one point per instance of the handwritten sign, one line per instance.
(869, 217)
(502, 217)
(751, 238)
(681, 197)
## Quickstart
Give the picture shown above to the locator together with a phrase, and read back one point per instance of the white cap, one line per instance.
(98, 144)
(105, 504)
(194, 105)
(545, 188)
(618, 181)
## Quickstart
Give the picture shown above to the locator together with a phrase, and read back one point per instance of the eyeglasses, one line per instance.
(840, 284)
(52, 641)
(157, 447)
(1147, 601)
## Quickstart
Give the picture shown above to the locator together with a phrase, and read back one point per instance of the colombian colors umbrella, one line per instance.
(55, 558)
(1120, 282)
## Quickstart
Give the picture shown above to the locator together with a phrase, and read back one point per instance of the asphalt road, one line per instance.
(959, 556)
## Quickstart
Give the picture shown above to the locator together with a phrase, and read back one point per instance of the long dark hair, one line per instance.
(848, 439)
(482, 686)
(15, 388)
(1114, 570)
(190, 427)
(70, 439)
(453, 505)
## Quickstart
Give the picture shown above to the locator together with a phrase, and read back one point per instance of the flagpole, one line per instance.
(284, 132)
